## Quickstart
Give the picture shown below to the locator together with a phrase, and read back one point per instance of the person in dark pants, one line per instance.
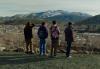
(42, 34)
(28, 36)
(54, 31)
(69, 38)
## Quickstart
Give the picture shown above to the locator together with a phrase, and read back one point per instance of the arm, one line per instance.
(32, 25)
(46, 32)
(58, 30)
(65, 31)
(38, 32)
(72, 35)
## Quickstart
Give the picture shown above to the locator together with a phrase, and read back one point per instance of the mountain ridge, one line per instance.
(58, 15)
(91, 20)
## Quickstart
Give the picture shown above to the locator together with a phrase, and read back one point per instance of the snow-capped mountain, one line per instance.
(50, 13)
(58, 15)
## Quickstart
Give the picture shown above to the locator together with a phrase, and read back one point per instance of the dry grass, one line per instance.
(11, 36)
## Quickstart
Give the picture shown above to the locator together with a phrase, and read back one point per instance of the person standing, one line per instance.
(69, 38)
(42, 34)
(28, 37)
(54, 31)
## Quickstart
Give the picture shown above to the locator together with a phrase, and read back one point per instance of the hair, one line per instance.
(43, 23)
(54, 22)
(27, 24)
(69, 23)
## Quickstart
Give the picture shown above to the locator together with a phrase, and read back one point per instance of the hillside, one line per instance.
(91, 20)
(58, 15)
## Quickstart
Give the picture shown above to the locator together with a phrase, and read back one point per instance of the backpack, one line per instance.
(41, 33)
(54, 32)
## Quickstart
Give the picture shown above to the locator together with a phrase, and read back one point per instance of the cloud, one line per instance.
(25, 6)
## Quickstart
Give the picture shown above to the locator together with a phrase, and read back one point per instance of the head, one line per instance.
(54, 23)
(69, 24)
(27, 24)
(43, 24)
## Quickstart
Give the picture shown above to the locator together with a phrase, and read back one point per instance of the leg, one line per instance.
(52, 46)
(68, 48)
(30, 46)
(55, 47)
(44, 47)
(51, 51)
(55, 50)
(40, 46)
(27, 44)
(27, 48)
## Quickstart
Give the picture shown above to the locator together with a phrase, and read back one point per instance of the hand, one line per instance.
(33, 25)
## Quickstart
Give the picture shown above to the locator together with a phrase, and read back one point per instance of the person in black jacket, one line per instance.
(69, 38)
(28, 36)
(42, 34)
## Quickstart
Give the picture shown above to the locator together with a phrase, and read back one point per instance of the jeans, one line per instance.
(68, 48)
(42, 47)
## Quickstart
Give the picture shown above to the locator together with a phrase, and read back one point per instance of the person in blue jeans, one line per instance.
(69, 38)
(42, 34)
(42, 46)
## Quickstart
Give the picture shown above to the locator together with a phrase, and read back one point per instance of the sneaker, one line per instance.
(54, 54)
(69, 57)
(30, 52)
(26, 52)
(45, 55)
(40, 54)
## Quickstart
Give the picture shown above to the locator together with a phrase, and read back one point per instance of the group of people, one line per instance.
(43, 35)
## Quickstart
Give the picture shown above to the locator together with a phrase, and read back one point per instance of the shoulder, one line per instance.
(40, 27)
(66, 29)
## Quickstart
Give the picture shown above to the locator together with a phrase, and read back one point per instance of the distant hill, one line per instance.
(91, 20)
(58, 15)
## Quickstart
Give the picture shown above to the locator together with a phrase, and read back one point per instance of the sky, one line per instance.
(12, 7)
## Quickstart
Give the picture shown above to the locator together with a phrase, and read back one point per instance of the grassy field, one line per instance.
(23, 61)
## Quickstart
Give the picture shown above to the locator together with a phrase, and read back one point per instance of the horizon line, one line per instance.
(25, 13)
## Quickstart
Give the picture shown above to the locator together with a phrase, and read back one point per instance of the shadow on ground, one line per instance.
(23, 58)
